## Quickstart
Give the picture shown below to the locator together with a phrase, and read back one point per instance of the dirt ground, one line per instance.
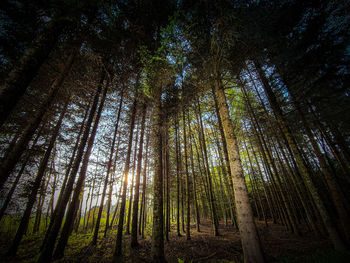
(204, 247)
(278, 244)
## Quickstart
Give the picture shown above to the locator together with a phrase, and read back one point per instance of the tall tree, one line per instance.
(249, 234)
(135, 208)
(74, 204)
(36, 185)
(48, 246)
(118, 243)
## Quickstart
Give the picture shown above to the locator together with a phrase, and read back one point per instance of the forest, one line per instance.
(175, 131)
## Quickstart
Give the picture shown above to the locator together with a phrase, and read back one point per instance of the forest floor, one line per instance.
(278, 245)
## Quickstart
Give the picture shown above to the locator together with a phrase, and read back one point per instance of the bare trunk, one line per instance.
(157, 248)
(135, 208)
(178, 171)
(109, 201)
(36, 185)
(187, 179)
(193, 177)
(332, 231)
(74, 205)
(249, 236)
(49, 243)
(118, 247)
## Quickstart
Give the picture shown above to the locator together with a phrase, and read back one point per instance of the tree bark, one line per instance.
(331, 229)
(178, 169)
(132, 179)
(48, 246)
(249, 236)
(207, 172)
(109, 201)
(157, 247)
(19, 175)
(193, 177)
(36, 185)
(144, 185)
(118, 247)
(187, 179)
(74, 205)
(135, 208)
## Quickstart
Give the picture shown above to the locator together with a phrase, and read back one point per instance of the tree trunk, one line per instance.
(49, 244)
(332, 231)
(157, 247)
(249, 236)
(187, 179)
(118, 247)
(193, 177)
(144, 185)
(36, 185)
(178, 170)
(109, 201)
(74, 205)
(132, 179)
(135, 208)
(207, 172)
(19, 175)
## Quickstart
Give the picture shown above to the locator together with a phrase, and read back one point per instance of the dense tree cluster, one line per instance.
(137, 115)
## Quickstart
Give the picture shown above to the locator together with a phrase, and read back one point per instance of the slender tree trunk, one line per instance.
(19, 175)
(249, 236)
(77, 224)
(109, 201)
(49, 244)
(135, 208)
(42, 191)
(157, 247)
(166, 171)
(118, 247)
(36, 185)
(208, 175)
(193, 177)
(118, 199)
(64, 183)
(86, 206)
(92, 193)
(187, 178)
(331, 229)
(112, 180)
(132, 180)
(144, 185)
(74, 205)
(178, 169)
(333, 186)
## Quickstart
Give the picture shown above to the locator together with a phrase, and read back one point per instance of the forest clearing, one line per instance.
(175, 131)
